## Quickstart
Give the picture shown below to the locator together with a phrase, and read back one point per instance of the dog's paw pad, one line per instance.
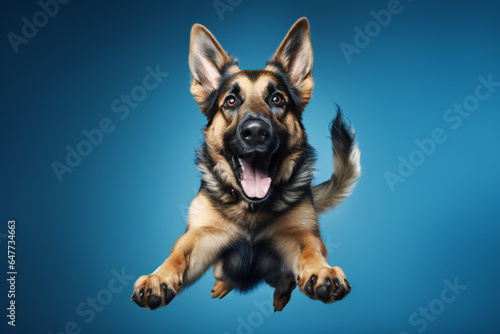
(324, 289)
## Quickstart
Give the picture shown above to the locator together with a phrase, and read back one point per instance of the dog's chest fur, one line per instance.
(249, 261)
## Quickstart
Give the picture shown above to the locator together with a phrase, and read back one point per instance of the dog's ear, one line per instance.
(207, 61)
(295, 57)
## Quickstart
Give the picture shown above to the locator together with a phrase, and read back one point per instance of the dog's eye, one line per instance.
(230, 101)
(277, 99)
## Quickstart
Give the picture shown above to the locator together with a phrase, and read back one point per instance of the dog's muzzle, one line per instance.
(254, 156)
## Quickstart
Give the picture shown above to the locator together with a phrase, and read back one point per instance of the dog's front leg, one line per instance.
(315, 277)
(192, 254)
(306, 256)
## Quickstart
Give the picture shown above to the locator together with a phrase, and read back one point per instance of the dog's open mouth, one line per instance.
(254, 173)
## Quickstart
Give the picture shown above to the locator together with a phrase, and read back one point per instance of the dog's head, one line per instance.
(254, 139)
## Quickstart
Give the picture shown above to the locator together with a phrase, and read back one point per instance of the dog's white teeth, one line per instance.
(241, 164)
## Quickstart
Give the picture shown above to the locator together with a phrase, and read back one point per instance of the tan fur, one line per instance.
(220, 289)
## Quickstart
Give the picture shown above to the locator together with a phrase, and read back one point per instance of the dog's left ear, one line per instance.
(295, 56)
(207, 61)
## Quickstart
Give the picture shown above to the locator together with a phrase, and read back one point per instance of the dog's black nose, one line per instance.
(255, 132)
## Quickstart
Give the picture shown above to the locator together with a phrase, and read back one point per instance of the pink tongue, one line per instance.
(255, 181)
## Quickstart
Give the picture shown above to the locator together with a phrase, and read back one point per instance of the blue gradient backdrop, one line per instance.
(124, 205)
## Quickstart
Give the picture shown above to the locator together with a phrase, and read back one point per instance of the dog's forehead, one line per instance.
(258, 81)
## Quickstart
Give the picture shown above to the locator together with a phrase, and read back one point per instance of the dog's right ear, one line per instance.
(207, 62)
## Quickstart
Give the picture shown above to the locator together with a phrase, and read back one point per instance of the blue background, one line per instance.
(124, 206)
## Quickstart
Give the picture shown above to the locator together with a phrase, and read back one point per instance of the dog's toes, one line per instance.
(153, 300)
(138, 299)
(168, 294)
(341, 286)
(341, 289)
(309, 287)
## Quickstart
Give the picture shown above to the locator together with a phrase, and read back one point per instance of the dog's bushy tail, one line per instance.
(347, 168)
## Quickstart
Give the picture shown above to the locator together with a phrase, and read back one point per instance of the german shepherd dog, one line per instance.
(255, 217)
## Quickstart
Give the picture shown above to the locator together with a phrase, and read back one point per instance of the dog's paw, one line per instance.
(327, 284)
(280, 299)
(153, 291)
(220, 289)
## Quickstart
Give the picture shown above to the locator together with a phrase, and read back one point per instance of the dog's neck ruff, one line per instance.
(283, 195)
